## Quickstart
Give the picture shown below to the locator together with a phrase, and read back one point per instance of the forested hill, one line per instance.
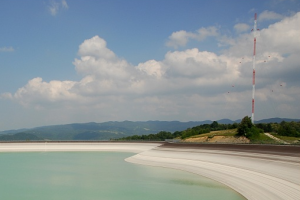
(98, 131)
(106, 130)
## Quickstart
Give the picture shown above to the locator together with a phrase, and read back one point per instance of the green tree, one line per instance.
(289, 129)
(265, 127)
(253, 133)
(177, 134)
(245, 126)
(214, 125)
(234, 125)
(188, 133)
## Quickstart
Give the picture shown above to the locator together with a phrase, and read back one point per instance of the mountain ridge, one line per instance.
(111, 129)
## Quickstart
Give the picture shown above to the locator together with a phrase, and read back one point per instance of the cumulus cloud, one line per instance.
(152, 68)
(183, 84)
(192, 63)
(55, 6)
(181, 38)
(7, 49)
(37, 92)
(269, 15)
(282, 36)
(241, 27)
(98, 60)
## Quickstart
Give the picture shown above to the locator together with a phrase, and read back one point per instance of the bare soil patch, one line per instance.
(219, 139)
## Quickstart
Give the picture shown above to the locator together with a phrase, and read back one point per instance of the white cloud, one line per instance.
(152, 68)
(105, 72)
(269, 15)
(282, 36)
(241, 27)
(185, 85)
(181, 38)
(192, 63)
(37, 92)
(55, 6)
(7, 49)
(96, 47)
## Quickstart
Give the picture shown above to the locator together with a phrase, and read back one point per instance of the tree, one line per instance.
(245, 126)
(289, 129)
(214, 125)
(265, 127)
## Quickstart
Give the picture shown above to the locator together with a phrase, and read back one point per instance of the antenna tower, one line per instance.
(253, 81)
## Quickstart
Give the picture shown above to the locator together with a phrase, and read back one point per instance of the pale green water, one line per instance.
(101, 176)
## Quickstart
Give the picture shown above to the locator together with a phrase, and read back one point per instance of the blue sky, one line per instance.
(65, 61)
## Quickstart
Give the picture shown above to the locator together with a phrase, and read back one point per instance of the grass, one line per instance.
(230, 132)
(263, 139)
(288, 139)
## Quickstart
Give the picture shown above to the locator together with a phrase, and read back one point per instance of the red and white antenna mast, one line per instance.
(254, 52)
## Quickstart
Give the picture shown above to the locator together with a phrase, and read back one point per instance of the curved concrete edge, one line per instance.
(78, 146)
(252, 177)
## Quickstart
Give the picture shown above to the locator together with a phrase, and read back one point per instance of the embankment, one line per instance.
(255, 171)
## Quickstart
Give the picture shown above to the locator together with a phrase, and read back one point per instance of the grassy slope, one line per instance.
(230, 132)
(262, 140)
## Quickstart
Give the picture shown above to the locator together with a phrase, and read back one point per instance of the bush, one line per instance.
(247, 129)
(291, 129)
(265, 127)
(244, 127)
(188, 133)
(254, 133)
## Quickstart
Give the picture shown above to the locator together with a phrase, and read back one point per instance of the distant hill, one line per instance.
(13, 131)
(225, 121)
(276, 120)
(102, 131)
(19, 137)
(110, 130)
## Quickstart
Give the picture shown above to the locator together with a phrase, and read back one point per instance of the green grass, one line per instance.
(263, 139)
(230, 132)
(292, 140)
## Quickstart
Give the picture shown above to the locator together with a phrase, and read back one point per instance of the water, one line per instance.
(101, 176)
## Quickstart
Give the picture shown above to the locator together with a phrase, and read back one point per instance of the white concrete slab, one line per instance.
(255, 176)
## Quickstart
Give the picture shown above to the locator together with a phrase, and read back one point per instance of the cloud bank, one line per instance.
(185, 85)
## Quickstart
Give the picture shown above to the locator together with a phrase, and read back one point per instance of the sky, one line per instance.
(78, 61)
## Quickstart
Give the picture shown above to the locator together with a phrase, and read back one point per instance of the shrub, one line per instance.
(245, 126)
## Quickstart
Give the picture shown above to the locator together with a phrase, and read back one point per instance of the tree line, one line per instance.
(290, 129)
(244, 128)
(197, 130)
